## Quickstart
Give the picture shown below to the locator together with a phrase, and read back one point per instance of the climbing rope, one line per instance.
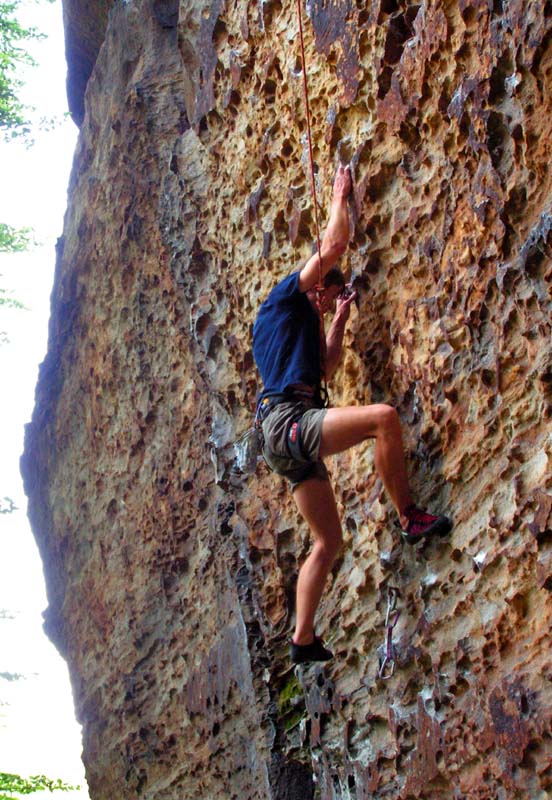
(309, 138)
(314, 199)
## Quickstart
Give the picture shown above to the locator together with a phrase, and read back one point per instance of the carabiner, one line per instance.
(387, 667)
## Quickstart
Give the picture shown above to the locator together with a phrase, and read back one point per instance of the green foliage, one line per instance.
(13, 114)
(7, 506)
(14, 240)
(12, 676)
(36, 783)
(7, 302)
(291, 704)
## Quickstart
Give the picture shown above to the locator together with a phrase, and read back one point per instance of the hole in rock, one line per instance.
(235, 98)
(469, 15)
(535, 263)
(270, 10)
(488, 377)
(497, 81)
(400, 30)
(464, 129)
(384, 81)
(410, 135)
(220, 32)
(497, 137)
(270, 91)
(214, 347)
(287, 148)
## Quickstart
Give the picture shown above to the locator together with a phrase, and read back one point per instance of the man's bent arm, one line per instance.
(336, 236)
(334, 338)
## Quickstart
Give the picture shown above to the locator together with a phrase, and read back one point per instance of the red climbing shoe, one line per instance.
(421, 525)
(315, 651)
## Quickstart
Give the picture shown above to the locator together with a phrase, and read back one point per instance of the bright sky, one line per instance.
(38, 732)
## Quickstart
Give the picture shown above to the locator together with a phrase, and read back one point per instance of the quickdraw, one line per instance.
(387, 662)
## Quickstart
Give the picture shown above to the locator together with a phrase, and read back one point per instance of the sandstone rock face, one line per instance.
(170, 579)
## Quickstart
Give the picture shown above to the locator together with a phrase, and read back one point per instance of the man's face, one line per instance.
(328, 297)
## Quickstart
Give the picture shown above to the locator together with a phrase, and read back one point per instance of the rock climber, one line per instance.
(293, 356)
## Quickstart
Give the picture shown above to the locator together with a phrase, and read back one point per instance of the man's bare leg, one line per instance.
(316, 503)
(345, 427)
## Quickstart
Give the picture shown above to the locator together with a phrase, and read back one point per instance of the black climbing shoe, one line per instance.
(421, 525)
(315, 651)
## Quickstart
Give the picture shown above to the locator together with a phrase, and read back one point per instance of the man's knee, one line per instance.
(329, 549)
(389, 420)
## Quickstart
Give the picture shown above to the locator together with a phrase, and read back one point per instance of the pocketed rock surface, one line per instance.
(171, 579)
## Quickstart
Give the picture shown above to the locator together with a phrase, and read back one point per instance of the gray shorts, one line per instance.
(276, 426)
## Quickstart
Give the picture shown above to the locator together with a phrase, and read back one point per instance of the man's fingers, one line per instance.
(344, 301)
(343, 182)
(347, 177)
(350, 298)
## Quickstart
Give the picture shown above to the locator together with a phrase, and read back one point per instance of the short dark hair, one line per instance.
(334, 277)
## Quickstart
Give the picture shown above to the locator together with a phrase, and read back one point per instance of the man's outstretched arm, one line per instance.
(334, 338)
(336, 236)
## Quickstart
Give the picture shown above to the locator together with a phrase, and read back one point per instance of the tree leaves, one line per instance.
(13, 114)
(14, 240)
(36, 783)
(7, 506)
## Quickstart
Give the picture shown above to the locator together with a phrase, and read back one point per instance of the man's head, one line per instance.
(333, 285)
(334, 277)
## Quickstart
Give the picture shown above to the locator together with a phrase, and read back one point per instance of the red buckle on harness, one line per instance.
(293, 433)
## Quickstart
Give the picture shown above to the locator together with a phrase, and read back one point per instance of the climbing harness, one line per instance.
(249, 447)
(387, 663)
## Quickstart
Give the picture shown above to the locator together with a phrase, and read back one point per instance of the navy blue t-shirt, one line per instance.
(286, 338)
